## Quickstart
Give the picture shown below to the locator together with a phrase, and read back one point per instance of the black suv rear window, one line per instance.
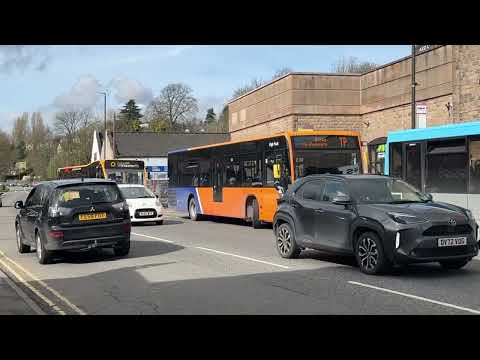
(84, 195)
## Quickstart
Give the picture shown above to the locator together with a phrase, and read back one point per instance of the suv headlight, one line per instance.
(468, 213)
(402, 218)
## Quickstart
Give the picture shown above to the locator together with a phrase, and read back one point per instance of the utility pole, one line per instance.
(413, 89)
(114, 119)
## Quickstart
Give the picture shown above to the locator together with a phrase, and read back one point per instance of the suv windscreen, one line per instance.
(136, 193)
(85, 195)
(384, 191)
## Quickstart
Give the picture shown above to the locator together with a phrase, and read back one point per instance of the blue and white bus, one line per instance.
(443, 161)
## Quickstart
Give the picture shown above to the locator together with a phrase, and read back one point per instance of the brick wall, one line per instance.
(379, 123)
(271, 127)
(333, 122)
(466, 95)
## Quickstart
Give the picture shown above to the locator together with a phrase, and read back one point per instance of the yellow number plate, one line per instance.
(94, 216)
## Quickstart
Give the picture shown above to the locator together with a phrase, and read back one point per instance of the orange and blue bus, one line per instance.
(243, 179)
(122, 171)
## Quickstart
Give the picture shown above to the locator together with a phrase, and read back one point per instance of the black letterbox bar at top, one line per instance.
(117, 164)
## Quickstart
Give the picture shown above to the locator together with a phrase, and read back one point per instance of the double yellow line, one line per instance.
(10, 266)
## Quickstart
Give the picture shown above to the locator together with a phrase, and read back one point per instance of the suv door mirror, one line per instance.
(18, 204)
(342, 200)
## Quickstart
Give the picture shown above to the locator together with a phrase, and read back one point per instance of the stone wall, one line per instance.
(267, 128)
(374, 103)
(466, 96)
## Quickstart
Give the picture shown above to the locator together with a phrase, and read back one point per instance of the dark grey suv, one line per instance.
(381, 220)
(73, 214)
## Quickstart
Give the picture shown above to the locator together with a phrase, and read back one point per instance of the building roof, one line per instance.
(151, 144)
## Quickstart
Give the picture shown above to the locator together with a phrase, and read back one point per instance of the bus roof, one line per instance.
(284, 133)
(443, 131)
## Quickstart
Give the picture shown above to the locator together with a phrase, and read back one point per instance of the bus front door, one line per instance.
(218, 181)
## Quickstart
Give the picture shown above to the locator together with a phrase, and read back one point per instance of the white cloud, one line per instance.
(126, 89)
(84, 93)
(21, 57)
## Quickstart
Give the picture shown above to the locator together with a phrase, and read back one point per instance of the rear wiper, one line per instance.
(100, 202)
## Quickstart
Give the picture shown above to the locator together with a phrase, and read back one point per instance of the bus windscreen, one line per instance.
(326, 154)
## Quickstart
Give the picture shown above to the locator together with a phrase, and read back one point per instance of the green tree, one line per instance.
(211, 116)
(129, 117)
(223, 120)
(7, 154)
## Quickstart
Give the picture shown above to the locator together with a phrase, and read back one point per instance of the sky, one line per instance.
(51, 78)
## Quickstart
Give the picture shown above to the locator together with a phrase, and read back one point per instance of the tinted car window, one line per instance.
(136, 193)
(85, 195)
(312, 190)
(333, 189)
(35, 197)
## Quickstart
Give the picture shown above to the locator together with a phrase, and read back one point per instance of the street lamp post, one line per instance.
(413, 89)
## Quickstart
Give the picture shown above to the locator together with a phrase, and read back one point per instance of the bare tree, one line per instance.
(256, 83)
(281, 72)
(352, 64)
(74, 125)
(175, 104)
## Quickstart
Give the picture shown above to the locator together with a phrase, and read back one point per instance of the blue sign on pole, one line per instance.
(157, 168)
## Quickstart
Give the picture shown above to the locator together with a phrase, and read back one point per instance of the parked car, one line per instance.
(380, 220)
(73, 215)
(144, 205)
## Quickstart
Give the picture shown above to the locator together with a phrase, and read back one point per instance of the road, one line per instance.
(226, 267)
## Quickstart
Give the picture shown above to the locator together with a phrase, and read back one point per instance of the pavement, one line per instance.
(13, 300)
(224, 266)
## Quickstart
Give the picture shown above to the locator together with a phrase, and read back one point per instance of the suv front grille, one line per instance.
(441, 230)
(441, 252)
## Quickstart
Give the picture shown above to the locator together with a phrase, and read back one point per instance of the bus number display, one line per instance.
(325, 142)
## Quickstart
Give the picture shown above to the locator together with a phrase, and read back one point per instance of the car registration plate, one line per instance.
(457, 241)
(93, 216)
(146, 213)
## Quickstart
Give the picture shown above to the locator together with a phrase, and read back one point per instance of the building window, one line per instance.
(475, 166)
(447, 170)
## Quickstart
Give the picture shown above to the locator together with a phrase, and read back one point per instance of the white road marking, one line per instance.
(242, 257)
(34, 290)
(153, 237)
(53, 291)
(416, 297)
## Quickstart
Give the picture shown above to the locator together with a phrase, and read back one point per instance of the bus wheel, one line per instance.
(192, 210)
(256, 223)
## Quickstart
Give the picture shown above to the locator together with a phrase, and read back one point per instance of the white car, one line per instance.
(143, 204)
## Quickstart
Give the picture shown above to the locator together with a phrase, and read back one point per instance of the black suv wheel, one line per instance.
(370, 256)
(43, 255)
(22, 248)
(286, 245)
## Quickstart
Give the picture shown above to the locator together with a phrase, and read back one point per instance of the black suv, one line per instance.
(73, 214)
(381, 220)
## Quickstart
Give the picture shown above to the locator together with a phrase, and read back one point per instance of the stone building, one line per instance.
(373, 103)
